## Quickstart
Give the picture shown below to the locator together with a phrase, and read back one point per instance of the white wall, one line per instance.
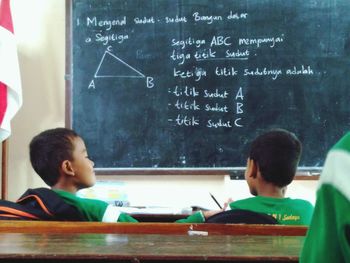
(40, 30)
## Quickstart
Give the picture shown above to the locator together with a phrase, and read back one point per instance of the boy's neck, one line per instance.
(264, 188)
(67, 188)
(272, 191)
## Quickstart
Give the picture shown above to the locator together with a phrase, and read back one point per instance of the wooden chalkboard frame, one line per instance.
(304, 173)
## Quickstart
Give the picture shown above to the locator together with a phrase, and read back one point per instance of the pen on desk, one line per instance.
(216, 201)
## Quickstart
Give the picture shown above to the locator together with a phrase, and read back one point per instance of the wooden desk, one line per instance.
(64, 247)
(8, 226)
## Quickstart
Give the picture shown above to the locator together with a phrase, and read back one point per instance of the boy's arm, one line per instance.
(125, 218)
(199, 217)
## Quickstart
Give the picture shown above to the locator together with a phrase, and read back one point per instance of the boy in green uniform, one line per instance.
(60, 158)
(328, 237)
(271, 166)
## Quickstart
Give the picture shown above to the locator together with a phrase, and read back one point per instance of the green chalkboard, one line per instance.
(188, 84)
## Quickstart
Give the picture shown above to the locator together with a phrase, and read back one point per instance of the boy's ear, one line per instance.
(67, 168)
(252, 168)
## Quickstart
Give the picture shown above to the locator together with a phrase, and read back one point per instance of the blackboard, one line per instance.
(187, 84)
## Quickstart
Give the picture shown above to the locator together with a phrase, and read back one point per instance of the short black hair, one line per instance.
(48, 150)
(277, 154)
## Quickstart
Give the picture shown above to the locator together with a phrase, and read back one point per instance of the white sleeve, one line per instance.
(111, 214)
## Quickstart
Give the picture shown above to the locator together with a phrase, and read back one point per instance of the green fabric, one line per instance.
(194, 218)
(94, 210)
(326, 241)
(343, 143)
(287, 211)
(125, 218)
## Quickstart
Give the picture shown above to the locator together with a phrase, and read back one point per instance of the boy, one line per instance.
(271, 166)
(60, 158)
(328, 237)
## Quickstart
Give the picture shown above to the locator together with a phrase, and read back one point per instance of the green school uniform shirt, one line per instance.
(287, 211)
(100, 211)
(328, 237)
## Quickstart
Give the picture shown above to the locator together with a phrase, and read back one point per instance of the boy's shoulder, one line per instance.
(77, 199)
(302, 203)
(249, 200)
(84, 205)
(272, 200)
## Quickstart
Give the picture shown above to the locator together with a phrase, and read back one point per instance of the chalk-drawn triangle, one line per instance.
(113, 67)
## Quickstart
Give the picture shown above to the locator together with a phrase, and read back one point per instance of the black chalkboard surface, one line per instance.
(188, 84)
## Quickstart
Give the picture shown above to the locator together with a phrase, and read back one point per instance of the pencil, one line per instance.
(216, 201)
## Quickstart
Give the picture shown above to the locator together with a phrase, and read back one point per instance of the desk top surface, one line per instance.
(149, 247)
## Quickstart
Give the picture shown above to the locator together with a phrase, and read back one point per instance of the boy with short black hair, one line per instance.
(271, 166)
(60, 158)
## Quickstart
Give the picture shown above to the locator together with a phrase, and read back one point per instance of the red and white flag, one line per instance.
(10, 80)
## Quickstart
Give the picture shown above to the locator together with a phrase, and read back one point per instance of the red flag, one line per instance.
(10, 83)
